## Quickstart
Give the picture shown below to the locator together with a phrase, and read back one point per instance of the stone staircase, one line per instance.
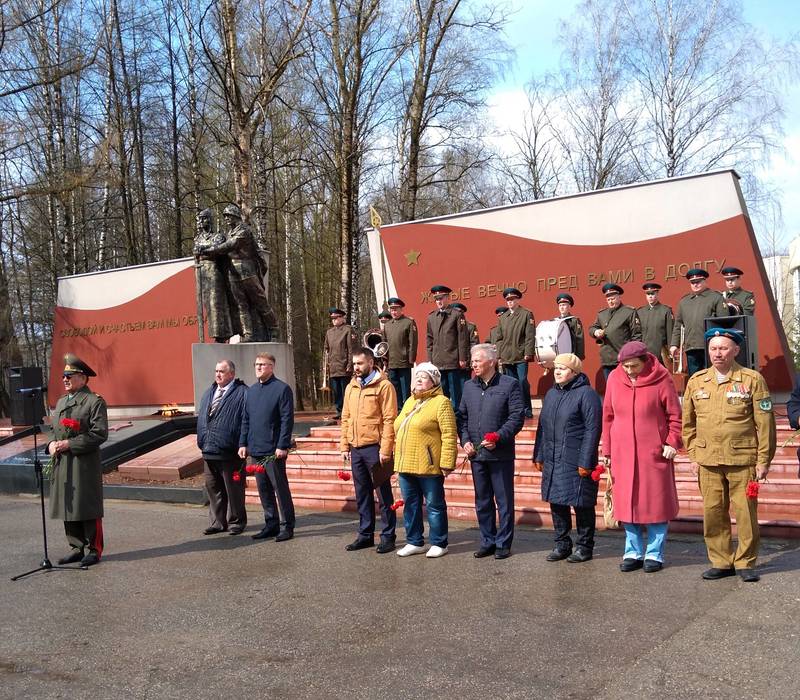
(312, 469)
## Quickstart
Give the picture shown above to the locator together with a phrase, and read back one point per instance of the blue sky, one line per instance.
(533, 31)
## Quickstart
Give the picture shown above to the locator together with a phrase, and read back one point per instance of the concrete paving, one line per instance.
(170, 613)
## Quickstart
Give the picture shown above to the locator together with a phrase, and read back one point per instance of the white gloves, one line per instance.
(668, 452)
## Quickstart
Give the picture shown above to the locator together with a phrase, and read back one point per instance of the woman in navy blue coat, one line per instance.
(566, 453)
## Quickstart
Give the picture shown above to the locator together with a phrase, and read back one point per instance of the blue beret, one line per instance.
(732, 333)
(565, 297)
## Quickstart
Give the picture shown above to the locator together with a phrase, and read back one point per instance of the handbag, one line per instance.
(381, 472)
(608, 503)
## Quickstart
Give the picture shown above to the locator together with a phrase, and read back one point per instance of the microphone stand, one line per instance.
(46, 564)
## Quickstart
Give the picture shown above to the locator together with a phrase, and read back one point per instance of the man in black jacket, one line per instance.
(491, 403)
(266, 435)
(219, 421)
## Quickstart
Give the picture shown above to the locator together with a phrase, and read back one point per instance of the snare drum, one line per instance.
(552, 338)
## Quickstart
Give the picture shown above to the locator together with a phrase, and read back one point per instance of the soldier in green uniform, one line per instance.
(494, 330)
(340, 344)
(614, 326)
(448, 343)
(76, 477)
(472, 329)
(400, 331)
(693, 309)
(657, 321)
(729, 433)
(733, 290)
(516, 338)
(565, 303)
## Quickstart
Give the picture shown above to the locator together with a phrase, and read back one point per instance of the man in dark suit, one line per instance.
(80, 426)
(266, 435)
(219, 422)
(491, 403)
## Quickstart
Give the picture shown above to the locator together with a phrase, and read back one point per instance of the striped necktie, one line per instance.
(216, 401)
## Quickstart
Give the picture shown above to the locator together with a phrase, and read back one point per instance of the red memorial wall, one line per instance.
(135, 327)
(629, 235)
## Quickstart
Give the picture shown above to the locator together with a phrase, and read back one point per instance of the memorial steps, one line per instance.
(312, 469)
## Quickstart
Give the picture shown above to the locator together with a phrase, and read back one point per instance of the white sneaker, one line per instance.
(436, 551)
(410, 549)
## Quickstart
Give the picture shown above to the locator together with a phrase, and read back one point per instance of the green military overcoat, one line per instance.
(76, 481)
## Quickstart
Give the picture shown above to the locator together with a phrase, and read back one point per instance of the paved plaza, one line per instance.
(170, 613)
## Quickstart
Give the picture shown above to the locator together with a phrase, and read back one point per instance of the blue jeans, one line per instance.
(635, 542)
(401, 381)
(431, 488)
(362, 460)
(452, 384)
(520, 372)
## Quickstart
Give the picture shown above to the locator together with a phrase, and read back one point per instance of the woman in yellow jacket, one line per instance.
(425, 453)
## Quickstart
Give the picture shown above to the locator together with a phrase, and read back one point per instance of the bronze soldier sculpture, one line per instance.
(221, 317)
(246, 269)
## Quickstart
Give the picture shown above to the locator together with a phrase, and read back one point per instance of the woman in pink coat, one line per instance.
(641, 435)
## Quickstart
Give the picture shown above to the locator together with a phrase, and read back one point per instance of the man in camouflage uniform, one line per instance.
(340, 344)
(657, 321)
(729, 433)
(517, 343)
(693, 309)
(222, 318)
(614, 326)
(245, 273)
(448, 344)
(565, 303)
(400, 331)
(734, 292)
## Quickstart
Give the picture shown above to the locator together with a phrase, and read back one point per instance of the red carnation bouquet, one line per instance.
(494, 438)
(343, 475)
(399, 503)
(752, 490)
(69, 427)
(259, 467)
(597, 472)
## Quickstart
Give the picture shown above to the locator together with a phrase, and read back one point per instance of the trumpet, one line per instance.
(325, 387)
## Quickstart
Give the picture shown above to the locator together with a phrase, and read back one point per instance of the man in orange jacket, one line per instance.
(368, 413)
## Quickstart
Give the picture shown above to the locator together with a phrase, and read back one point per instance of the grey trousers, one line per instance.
(225, 496)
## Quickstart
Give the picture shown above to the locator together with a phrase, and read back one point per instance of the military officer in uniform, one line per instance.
(729, 433)
(76, 479)
(340, 343)
(246, 269)
(472, 329)
(734, 291)
(222, 317)
(565, 303)
(498, 312)
(657, 321)
(400, 332)
(614, 326)
(517, 342)
(448, 344)
(700, 303)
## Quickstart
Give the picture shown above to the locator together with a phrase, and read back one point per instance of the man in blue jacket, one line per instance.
(491, 403)
(266, 435)
(219, 422)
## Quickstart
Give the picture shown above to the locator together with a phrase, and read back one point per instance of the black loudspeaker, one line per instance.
(746, 325)
(27, 408)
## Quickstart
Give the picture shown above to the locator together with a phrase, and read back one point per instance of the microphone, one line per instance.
(33, 390)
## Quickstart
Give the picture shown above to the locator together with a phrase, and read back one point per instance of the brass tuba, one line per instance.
(373, 339)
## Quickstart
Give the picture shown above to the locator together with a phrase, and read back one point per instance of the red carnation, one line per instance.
(237, 476)
(399, 503)
(71, 424)
(343, 475)
(250, 468)
(260, 469)
(752, 490)
(492, 437)
(597, 473)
